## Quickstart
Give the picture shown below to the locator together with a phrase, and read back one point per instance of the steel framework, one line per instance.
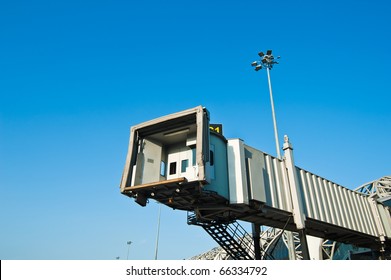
(381, 188)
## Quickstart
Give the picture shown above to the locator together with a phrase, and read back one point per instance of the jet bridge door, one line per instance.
(181, 163)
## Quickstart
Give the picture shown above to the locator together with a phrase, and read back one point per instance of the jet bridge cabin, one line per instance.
(172, 160)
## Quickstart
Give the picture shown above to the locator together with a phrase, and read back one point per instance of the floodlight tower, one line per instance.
(267, 61)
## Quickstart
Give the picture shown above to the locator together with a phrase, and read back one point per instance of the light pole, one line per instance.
(158, 230)
(129, 242)
(267, 61)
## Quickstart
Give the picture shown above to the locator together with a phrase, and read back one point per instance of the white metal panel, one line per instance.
(315, 247)
(238, 192)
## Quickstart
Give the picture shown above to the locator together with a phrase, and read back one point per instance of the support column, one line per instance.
(256, 238)
(297, 204)
(304, 244)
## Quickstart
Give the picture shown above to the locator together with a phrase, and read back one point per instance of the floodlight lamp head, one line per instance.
(261, 54)
(254, 63)
(258, 67)
(269, 52)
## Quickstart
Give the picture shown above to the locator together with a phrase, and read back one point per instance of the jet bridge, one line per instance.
(178, 161)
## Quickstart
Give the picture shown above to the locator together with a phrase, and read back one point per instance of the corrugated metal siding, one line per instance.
(385, 216)
(323, 200)
(328, 202)
(273, 179)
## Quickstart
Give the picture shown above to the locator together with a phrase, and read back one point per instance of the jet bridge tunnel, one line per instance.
(178, 161)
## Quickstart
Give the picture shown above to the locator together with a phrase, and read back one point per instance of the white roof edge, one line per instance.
(169, 117)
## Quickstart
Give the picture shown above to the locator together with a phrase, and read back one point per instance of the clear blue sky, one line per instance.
(75, 75)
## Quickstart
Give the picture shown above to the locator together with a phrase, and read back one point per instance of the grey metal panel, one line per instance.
(371, 218)
(272, 184)
(269, 173)
(318, 198)
(278, 167)
(348, 211)
(331, 203)
(359, 218)
(313, 196)
(365, 215)
(287, 194)
(257, 174)
(325, 204)
(355, 213)
(306, 192)
(336, 204)
(386, 219)
(340, 200)
(307, 204)
(368, 216)
(345, 211)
